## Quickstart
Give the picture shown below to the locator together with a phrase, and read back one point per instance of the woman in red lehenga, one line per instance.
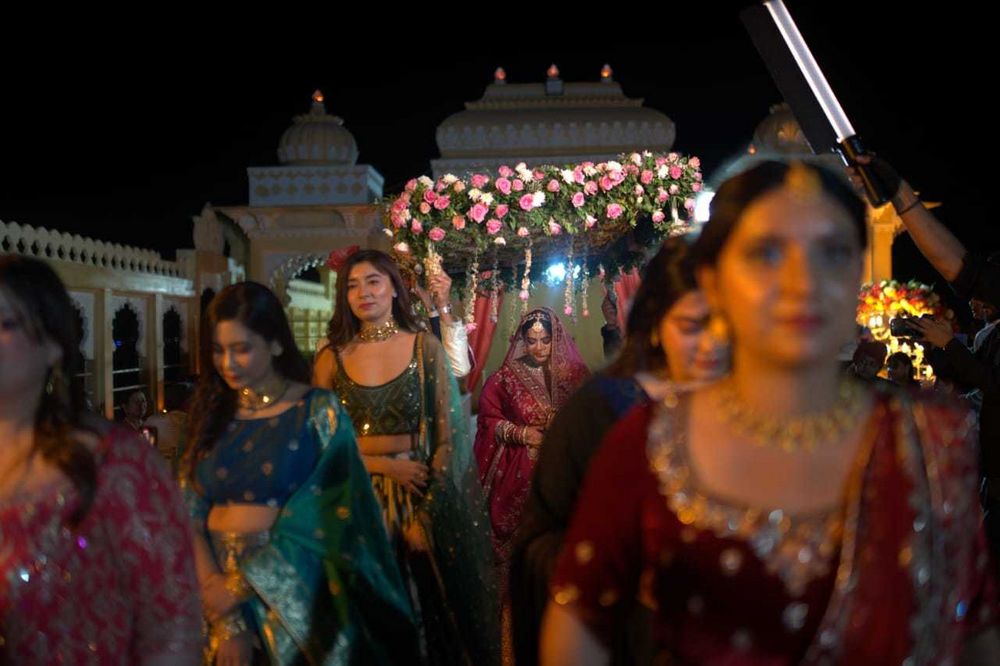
(96, 564)
(541, 370)
(786, 514)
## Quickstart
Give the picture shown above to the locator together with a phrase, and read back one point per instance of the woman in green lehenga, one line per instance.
(395, 383)
(293, 564)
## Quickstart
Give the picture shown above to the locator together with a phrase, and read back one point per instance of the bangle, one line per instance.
(445, 309)
(229, 627)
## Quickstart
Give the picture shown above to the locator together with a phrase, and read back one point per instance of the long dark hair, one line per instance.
(665, 279)
(739, 191)
(344, 325)
(254, 306)
(45, 310)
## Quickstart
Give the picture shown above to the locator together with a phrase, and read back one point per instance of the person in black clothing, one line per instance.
(969, 273)
(666, 342)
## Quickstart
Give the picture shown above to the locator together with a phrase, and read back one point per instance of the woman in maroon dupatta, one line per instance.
(540, 372)
(785, 514)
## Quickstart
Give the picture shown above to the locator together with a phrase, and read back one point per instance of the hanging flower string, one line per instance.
(583, 288)
(495, 290)
(470, 308)
(568, 307)
(526, 279)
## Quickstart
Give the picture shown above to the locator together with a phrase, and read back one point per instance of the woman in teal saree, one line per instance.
(293, 562)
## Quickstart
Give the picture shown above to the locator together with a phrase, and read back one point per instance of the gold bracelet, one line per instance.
(229, 627)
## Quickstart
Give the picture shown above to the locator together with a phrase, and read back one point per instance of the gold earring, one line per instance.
(654, 338)
(718, 329)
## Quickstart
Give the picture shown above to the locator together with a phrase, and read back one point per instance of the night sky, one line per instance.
(125, 136)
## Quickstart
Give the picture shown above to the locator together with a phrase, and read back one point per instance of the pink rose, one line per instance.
(441, 186)
(523, 294)
(478, 212)
(660, 161)
(402, 248)
(697, 176)
(590, 221)
(658, 217)
(425, 207)
(662, 196)
(502, 210)
(606, 183)
(527, 202)
(430, 196)
(694, 162)
(503, 185)
(578, 176)
(470, 327)
(399, 204)
(539, 175)
(523, 232)
(494, 226)
(398, 221)
(639, 191)
(636, 158)
(554, 228)
(553, 185)
(479, 181)
(416, 227)
(459, 186)
(646, 177)
(689, 204)
(590, 188)
(442, 202)
(411, 185)
(578, 200)
(632, 169)
(676, 172)
(674, 189)
(567, 310)
(696, 187)
(517, 185)
(672, 157)
(617, 176)
(436, 234)
(505, 171)
(614, 211)
(458, 222)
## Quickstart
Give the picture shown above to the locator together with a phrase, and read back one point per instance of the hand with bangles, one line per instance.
(411, 474)
(222, 593)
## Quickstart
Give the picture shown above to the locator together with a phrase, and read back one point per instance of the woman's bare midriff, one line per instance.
(381, 445)
(242, 518)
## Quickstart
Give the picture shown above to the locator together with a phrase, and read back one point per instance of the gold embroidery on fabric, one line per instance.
(798, 549)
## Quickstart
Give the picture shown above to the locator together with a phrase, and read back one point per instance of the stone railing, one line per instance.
(55, 245)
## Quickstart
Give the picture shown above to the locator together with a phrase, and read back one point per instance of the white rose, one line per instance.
(449, 178)
(486, 198)
(663, 171)
(425, 181)
(499, 240)
(537, 199)
(589, 171)
(567, 176)
(475, 194)
(614, 166)
(402, 248)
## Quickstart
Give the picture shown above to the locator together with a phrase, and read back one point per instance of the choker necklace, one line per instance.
(796, 433)
(262, 397)
(379, 333)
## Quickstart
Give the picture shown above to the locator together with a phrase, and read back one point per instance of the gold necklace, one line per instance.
(379, 333)
(797, 433)
(263, 396)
